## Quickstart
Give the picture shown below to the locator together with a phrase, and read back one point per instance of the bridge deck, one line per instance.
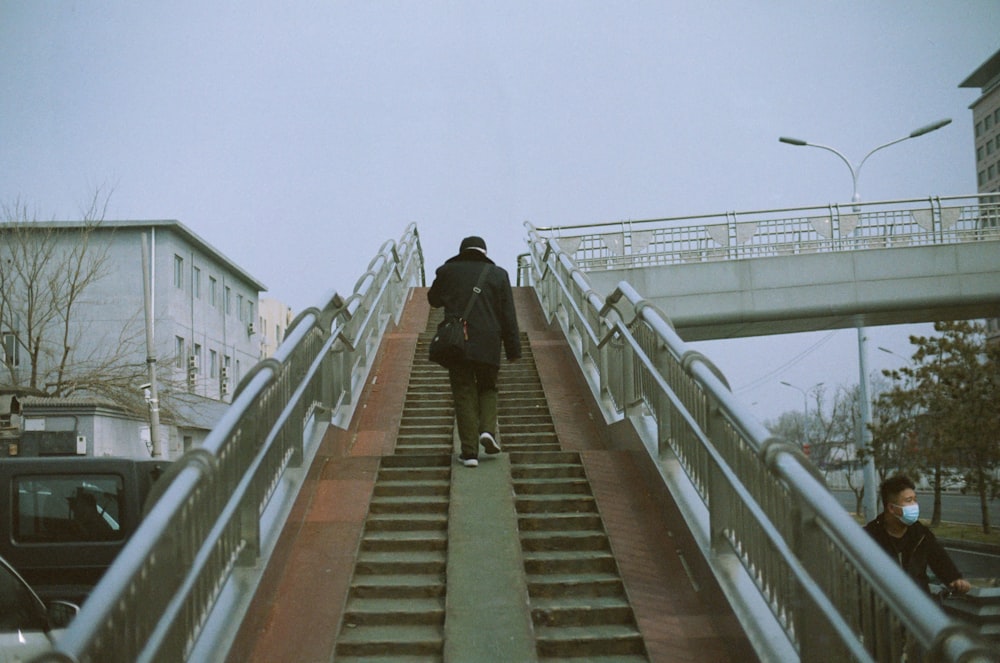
(296, 613)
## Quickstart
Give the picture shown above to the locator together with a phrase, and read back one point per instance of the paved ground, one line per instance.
(296, 613)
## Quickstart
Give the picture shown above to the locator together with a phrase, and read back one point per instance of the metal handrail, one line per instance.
(165, 596)
(801, 577)
(766, 233)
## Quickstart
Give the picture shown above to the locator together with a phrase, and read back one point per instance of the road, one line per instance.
(959, 509)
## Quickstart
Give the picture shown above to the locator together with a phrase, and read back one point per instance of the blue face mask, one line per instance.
(910, 513)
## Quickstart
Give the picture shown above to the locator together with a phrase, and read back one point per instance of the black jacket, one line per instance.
(492, 321)
(915, 551)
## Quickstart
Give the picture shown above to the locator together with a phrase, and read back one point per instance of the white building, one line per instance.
(204, 312)
(273, 324)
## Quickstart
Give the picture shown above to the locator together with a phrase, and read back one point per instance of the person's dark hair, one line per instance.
(894, 485)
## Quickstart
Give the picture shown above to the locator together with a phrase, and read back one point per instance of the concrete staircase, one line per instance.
(409, 601)
(396, 605)
(579, 607)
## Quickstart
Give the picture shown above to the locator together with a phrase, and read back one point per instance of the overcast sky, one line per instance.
(298, 137)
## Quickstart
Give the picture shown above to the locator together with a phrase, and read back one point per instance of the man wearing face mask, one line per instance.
(909, 541)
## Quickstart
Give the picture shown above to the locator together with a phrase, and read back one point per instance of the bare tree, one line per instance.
(46, 271)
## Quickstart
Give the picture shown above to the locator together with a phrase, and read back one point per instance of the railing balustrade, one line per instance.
(165, 597)
(770, 233)
(804, 580)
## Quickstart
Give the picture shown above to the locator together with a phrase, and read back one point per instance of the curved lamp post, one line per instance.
(864, 435)
(856, 170)
(805, 407)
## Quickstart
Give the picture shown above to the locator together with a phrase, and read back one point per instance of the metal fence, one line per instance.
(803, 579)
(768, 233)
(168, 595)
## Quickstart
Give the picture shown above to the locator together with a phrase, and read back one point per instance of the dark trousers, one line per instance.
(474, 390)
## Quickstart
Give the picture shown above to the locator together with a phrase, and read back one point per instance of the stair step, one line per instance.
(430, 460)
(390, 641)
(392, 474)
(406, 521)
(400, 488)
(564, 541)
(554, 585)
(402, 541)
(559, 521)
(589, 641)
(395, 611)
(552, 486)
(555, 503)
(553, 471)
(582, 611)
(542, 562)
(546, 458)
(432, 504)
(387, 563)
(399, 586)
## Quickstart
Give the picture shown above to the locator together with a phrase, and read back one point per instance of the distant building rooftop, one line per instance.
(169, 224)
(985, 74)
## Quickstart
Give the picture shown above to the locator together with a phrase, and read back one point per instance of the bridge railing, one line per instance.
(790, 231)
(802, 577)
(171, 594)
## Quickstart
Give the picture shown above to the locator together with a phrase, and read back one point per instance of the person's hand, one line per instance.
(961, 586)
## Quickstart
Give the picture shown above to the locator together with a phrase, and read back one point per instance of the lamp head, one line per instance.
(930, 127)
(796, 141)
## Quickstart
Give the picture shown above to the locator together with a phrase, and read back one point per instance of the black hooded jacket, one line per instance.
(492, 321)
(917, 549)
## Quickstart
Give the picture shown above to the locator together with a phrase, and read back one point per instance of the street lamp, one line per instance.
(856, 170)
(864, 435)
(805, 407)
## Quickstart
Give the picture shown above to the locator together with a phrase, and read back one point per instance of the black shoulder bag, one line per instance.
(448, 345)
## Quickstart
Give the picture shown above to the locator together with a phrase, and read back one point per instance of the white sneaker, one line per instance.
(489, 443)
(470, 462)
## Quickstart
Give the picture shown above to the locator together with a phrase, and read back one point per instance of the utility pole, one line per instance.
(152, 399)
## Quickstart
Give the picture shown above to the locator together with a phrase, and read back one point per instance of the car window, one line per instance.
(68, 508)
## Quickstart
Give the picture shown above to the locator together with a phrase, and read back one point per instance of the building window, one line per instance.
(979, 153)
(990, 172)
(228, 300)
(239, 307)
(178, 272)
(213, 364)
(979, 129)
(213, 287)
(197, 357)
(237, 377)
(250, 312)
(179, 351)
(988, 123)
(11, 350)
(196, 282)
(996, 116)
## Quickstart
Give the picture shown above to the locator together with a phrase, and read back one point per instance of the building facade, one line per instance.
(986, 120)
(205, 308)
(274, 320)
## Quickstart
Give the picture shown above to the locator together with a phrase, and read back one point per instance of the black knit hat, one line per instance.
(473, 242)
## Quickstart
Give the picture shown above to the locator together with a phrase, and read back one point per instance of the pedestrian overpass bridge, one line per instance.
(639, 512)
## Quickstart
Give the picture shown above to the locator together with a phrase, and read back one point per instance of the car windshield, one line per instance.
(20, 609)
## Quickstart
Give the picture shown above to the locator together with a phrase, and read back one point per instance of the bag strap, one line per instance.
(475, 291)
